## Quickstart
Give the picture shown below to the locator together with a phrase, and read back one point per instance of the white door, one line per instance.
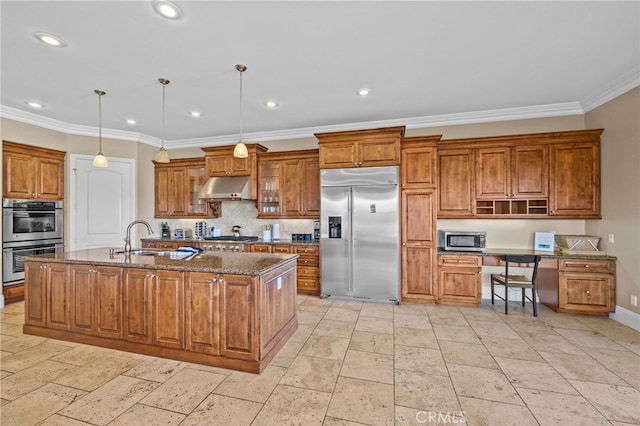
(101, 202)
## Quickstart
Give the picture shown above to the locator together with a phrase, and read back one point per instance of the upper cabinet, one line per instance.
(419, 162)
(219, 161)
(32, 172)
(537, 175)
(289, 184)
(177, 184)
(360, 148)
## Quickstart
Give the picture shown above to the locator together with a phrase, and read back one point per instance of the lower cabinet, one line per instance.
(47, 295)
(202, 325)
(308, 269)
(418, 274)
(460, 279)
(238, 338)
(586, 286)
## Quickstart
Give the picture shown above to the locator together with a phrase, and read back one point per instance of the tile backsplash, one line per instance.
(244, 214)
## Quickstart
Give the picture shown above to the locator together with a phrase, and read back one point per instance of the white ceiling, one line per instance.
(427, 63)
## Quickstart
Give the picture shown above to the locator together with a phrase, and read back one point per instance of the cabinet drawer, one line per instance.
(308, 271)
(588, 265)
(308, 284)
(261, 248)
(308, 261)
(460, 261)
(282, 249)
(306, 249)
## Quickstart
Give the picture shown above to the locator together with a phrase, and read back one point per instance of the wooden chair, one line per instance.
(517, 281)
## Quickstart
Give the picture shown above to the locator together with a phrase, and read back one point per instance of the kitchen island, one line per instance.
(231, 310)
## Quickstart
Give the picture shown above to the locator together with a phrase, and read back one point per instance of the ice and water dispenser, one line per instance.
(335, 226)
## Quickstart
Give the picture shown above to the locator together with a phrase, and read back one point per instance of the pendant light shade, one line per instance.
(240, 150)
(100, 160)
(162, 156)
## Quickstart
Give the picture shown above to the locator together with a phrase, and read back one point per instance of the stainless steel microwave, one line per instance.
(462, 240)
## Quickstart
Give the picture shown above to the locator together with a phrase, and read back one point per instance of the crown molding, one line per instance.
(621, 85)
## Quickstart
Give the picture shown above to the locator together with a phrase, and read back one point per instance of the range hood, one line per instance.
(226, 188)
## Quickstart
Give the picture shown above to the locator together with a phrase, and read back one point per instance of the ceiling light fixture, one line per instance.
(271, 104)
(34, 104)
(240, 150)
(100, 160)
(162, 156)
(364, 91)
(50, 39)
(195, 114)
(167, 9)
(131, 121)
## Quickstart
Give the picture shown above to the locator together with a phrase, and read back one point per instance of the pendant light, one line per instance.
(162, 156)
(100, 160)
(240, 150)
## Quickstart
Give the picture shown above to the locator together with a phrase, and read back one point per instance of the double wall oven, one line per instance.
(29, 227)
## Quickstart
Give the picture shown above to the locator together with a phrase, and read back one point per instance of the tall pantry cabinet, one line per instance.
(418, 193)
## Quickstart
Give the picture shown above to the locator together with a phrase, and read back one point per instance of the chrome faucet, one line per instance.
(127, 239)
(236, 231)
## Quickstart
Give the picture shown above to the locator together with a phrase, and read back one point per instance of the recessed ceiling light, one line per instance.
(195, 114)
(364, 91)
(167, 9)
(271, 104)
(34, 104)
(50, 39)
(131, 121)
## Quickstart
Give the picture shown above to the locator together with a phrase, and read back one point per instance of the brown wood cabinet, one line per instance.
(460, 279)
(289, 184)
(308, 269)
(219, 161)
(574, 183)
(418, 171)
(96, 300)
(261, 248)
(456, 183)
(202, 326)
(161, 244)
(47, 297)
(176, 190)
(360, 148)
(32, 172)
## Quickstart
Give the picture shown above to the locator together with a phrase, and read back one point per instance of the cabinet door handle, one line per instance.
(586, 266)
(588, 292)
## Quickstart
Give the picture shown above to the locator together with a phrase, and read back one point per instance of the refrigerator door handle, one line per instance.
(350, 287)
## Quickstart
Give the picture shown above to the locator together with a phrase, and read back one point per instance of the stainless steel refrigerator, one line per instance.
(359, 234)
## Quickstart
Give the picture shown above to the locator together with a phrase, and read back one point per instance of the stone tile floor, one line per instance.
(348, 364)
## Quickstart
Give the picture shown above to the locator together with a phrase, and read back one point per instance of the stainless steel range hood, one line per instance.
(226, 188)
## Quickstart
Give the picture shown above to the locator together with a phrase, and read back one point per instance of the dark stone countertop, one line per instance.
(237, 263)
(282, 242)
(557, 254)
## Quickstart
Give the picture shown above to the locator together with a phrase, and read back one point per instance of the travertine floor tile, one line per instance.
(456, 333)
(32, 378)
(109, 401)
(375, 325)
(368, 366)
(149, 415)
(564, 321)
(487, 383)
(411, 308)
(619, 403)
(362, 401)
(550, 343)
(482, 313)
(325, 347)
(156, 369)
(347, 304)
(309, 317)
(493, 329)
(38, 405)
(466, 354)
(415, 337)
(372, 342)
(446, 315)
(411, 321)
(425, 392)
(22, 342)
(184, 391)
(252, 387)
(377, 310)
(32, 356)
(58, 420)
(534, 375)
(90, 377)
(312, 373)
(480, 412)
(551, 408)
(81, 355)
(341, 314)
(422, 360)
(588, 338)
(582, 368)
(334, 328)
(332, 421)
(293, 406)
(222, 410)
(528, 325)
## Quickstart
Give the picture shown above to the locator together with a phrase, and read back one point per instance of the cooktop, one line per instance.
(240, 239)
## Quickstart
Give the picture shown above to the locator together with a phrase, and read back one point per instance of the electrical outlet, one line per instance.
(634, 300)
(611, 239)
(279, 283)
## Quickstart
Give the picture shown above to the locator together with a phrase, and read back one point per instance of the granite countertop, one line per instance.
(282, 242)
(237, 263)
(550, 254)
